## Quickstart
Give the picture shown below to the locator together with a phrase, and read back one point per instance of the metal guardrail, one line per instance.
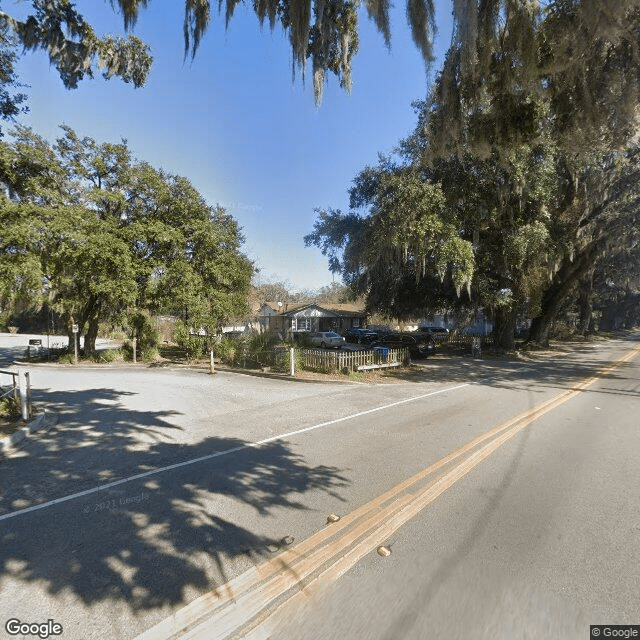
(14, 386)
(20, 389)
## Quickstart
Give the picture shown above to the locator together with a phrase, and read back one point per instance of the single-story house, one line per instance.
(290, 319)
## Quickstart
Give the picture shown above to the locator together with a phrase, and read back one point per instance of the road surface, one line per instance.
(158, 492)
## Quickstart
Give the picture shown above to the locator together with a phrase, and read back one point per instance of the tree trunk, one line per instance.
(585, 303)
(504, 328)
(90, 337)
(561, 286)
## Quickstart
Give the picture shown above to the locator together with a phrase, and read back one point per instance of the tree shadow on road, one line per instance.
(151, 540)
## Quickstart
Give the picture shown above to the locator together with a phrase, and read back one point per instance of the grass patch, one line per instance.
(109, 355)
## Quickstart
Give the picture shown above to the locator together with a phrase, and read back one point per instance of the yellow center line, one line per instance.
(248, 600)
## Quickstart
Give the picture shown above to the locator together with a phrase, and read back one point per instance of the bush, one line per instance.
(10, 408)
(226, 349)
(260, 342)
(109, 355)
(304, 341)
(150, 354)
(147, 335)
(195, 346)
(561, 330)
(285, 364)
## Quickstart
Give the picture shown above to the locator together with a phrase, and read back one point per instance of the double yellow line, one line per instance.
(245, 602)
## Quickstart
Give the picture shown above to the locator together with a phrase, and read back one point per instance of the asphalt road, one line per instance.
(158, 486)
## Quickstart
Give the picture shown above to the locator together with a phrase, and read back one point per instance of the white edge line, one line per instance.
(218, 454)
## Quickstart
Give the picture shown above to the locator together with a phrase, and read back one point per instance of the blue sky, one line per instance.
(233, 122)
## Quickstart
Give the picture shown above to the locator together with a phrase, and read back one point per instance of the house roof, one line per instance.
(337, 309)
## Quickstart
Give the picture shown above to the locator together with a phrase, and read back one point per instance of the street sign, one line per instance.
(74, 328)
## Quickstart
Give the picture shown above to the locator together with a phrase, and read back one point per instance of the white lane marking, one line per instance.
(218, 454)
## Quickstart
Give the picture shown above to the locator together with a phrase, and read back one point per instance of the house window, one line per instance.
(355, 322)
(301, 324)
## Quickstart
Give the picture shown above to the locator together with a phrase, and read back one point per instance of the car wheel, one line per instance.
(323, 345)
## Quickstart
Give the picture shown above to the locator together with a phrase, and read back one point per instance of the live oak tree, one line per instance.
(464, 232)
(563, 75)
(12, 98)
(557, 41)
(73, 46)
(532, 98)
(518, 74)
(556, 36)
(101, 236)
(536, 235)
(613, 290)
(599, 227)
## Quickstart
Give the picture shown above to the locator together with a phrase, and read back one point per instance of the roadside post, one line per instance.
(74, 329)
(24, 386)
(27, 378)
(293, 361)
(211, 363)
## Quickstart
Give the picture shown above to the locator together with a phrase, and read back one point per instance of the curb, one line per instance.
(108, 366)
(39, 424)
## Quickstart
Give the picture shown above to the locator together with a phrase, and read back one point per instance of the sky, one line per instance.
(234, 123)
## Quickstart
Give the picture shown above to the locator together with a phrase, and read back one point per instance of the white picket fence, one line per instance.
(329, 361)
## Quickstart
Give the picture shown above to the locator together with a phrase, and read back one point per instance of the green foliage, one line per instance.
(324, 33)
(503, 55)
(151, 354)
(298, 361)
(304, 341)
(514, 182)
(73, 47)
(195, 346)
(140, 324)
(100, 237)
(526, 244)
(409, 237)
(226, 349)
(10, 408)
(109, 355)
(262, 341)
(11, 103)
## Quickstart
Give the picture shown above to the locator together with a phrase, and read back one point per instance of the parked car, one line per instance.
(326, 339)
(432, 329)
(360, 335)
(419, 345)
(476, 331)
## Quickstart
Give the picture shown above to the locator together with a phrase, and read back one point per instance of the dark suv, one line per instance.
(360, 335)
(420, 345)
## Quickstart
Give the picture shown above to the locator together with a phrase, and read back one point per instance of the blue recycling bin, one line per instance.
(383, 353)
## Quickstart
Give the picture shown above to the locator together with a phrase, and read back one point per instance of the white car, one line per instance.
(326, 339)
